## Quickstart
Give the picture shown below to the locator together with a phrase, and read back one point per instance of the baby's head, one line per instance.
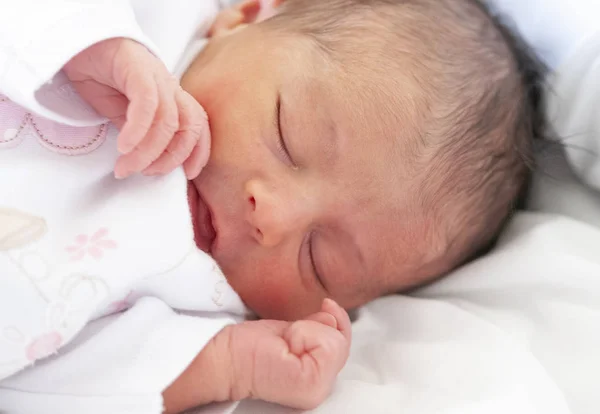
(359, 147)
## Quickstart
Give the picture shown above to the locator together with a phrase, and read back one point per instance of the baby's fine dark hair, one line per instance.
(481, 109)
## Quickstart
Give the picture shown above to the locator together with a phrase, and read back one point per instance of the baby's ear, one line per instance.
(243, 13)
(233, 18)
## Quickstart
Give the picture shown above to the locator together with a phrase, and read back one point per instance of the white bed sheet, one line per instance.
(515, 332)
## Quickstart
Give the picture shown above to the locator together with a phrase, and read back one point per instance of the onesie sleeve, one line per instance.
(38, 37)
(121, 363)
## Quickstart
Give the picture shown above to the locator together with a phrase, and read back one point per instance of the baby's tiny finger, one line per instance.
(307, 336)
(199, 156)
(324, 318)
(176, 153)
(194, 121)
(163, 129)
(344, 325)
(142, 93)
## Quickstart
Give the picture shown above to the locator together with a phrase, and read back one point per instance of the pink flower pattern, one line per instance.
(120, 305)
(43, 346)
(93, 246)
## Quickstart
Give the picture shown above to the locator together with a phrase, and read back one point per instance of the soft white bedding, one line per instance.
(519, 330)
(516, 332)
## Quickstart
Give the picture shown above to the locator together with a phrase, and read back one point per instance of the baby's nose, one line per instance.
(273, 216)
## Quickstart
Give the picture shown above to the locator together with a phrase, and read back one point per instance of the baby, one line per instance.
(372, 147)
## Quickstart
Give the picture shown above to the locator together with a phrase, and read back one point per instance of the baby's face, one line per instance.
(305, 199)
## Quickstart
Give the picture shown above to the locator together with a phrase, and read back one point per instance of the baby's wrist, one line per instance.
(221, 368)
(207, 379)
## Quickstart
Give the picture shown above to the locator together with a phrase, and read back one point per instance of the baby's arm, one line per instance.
(289, 363)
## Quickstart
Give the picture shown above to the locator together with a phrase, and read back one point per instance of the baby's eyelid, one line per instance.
(313, 262)
(282, 144)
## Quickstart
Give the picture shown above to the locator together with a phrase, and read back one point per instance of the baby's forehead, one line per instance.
(377, 102)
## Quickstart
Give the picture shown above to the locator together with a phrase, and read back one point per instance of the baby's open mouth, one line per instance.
(202, 221)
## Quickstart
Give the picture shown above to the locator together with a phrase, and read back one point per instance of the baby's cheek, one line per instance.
(268, 297)
(271, 304)
(275, 294)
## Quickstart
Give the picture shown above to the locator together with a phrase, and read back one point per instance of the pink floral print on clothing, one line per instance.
(93, 246)
(16, 123)
(43, 346)
(120, 305)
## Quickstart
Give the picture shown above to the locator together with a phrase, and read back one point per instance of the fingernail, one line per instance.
(119, 175)
(189, 174)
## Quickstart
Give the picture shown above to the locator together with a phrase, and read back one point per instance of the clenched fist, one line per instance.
(288, 363)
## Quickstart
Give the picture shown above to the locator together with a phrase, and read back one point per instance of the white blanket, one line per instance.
(515, 332)
(519, 330)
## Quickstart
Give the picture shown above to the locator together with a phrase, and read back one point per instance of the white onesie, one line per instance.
(104, 297)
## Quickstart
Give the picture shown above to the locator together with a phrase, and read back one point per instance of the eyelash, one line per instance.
(281, 146)
(312, 259)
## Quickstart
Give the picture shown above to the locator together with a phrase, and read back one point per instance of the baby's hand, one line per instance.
(289, 363)
(162, 126)
(293, 364)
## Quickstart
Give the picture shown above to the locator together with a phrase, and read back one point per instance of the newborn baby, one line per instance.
(358, 148)
(373, 147)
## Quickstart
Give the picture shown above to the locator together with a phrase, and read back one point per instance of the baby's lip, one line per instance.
(202, 219)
